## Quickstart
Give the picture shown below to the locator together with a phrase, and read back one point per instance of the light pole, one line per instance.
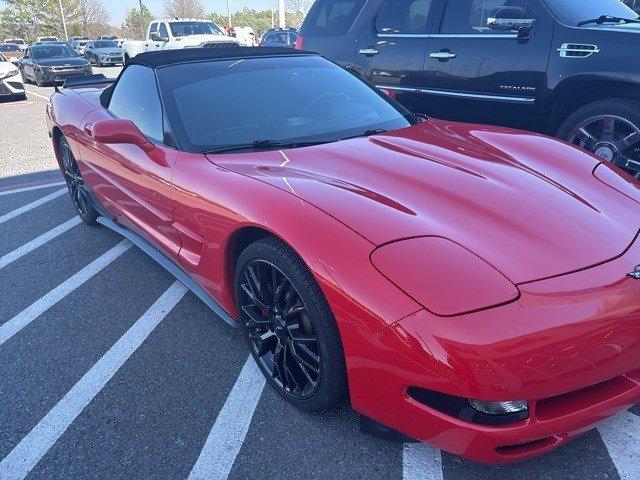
(283, 19)
(64, 22)
(229, 13)
(141, 20)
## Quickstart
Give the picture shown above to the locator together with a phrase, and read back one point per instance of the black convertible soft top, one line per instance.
(163, 58)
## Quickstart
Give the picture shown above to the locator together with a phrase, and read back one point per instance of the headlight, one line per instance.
(473, 411)
(10, 73)
(442, 276)
(499, 408)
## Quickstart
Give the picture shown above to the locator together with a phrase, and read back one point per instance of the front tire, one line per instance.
(75, 183)
(39, 81)
(608, 128)
(289, 327)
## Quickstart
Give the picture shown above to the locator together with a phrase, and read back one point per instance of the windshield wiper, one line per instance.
(264, 145)
(367, 133)
(607, 19)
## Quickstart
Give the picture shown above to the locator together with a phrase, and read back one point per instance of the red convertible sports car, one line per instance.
(473, 287)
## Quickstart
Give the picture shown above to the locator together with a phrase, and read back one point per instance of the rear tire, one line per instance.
(75, 183)
(289, 328)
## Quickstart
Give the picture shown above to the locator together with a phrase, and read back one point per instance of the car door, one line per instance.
(393, 44)
(134, 184)
(488, 61)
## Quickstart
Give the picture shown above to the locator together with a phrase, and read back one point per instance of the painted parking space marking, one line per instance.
(421, 462)
(621, 435)
(24, 457)
(30, 92)
(38, 242)
(230, 428)
(33, 311)
(30, 188)
(30, 206)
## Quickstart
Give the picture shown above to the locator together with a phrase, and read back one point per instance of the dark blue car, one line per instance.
(279, 38)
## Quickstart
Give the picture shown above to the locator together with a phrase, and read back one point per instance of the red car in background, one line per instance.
(468, 286)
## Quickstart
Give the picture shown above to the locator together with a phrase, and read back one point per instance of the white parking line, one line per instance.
(231, 427)
(37, 94)
(38, 242)
(24, 457)
(421, 462)
(621, 435)
(29, 314)
(32, 205)
(28, 189)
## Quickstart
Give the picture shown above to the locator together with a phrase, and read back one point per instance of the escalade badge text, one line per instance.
(635, 273)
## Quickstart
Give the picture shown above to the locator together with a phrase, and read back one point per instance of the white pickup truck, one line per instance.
(178, 33)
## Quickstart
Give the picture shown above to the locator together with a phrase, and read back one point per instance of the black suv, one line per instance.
(563, 67)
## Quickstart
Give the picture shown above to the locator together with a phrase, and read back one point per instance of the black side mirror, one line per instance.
(156, 37)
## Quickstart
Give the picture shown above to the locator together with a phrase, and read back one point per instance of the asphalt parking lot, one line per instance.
(109, 368)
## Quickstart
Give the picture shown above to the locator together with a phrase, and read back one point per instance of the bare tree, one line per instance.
(184, 9)
(302, 6)
(93, 17)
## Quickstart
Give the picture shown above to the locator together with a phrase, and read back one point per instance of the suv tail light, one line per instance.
(299, 42)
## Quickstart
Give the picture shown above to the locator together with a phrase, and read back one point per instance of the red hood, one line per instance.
(527, 204)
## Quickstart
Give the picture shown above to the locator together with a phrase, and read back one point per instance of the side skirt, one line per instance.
(170, 266)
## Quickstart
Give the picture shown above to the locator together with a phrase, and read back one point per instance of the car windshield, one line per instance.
(571, 12)
(104, 44)
(17, 42)
(285, 100)
(183, 29)
(49, 39)
(53, 51)
(9, 48)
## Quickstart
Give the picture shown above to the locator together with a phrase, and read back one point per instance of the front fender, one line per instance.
(212, 203)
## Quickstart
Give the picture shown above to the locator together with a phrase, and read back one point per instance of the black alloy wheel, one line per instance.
(289, 327)
(611, 130)
(75, 183)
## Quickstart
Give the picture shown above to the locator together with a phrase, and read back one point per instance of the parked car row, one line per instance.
(558, 67)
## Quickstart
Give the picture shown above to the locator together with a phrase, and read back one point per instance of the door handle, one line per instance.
(442, 55)
(369, 52)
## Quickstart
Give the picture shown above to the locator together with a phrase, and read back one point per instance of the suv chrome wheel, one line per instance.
(612, 138)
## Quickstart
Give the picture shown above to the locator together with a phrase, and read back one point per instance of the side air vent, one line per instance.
(577, 50)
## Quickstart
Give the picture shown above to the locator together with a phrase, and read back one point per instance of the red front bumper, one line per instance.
(570, 346)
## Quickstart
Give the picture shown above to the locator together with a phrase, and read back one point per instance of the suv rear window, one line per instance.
(332, 17)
